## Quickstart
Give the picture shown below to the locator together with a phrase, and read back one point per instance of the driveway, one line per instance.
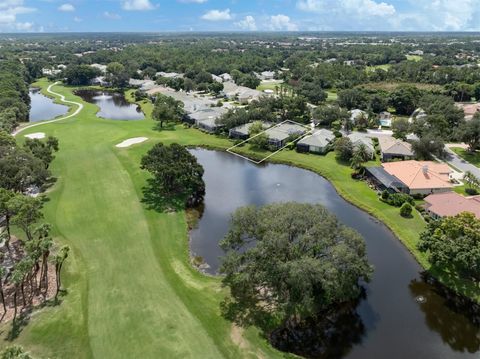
(458, 162)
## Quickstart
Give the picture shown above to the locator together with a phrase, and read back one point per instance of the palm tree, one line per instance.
(2, 294)
(17, 277)
(356, 161)
(363, 152)
(471, 179)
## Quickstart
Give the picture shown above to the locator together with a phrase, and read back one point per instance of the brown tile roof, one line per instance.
(451, 204)
(420, 174)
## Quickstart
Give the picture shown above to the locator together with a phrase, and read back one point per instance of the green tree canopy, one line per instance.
(177, 176)
(79, 75)
(469, 132)
(167, 109)
(290, 261)
(344, 148)
(454, 243)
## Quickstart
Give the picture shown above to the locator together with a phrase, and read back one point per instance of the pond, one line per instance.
(394, 321)
(112, 105)
(43, 107)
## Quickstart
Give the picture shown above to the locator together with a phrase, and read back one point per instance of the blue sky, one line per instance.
(238, 15)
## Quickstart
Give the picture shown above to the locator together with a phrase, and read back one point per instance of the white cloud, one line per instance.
(77, 19)
(217, 15)
(281, 22)
(446, 15)
(111, 15)
(66, 8)
(24, 26)
(137, 5)
(248, 23)
(366, 8)
(359, 8)
(9, 10)
(193, 1)
(413, 15)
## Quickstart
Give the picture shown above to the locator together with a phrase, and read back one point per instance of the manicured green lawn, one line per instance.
(131, 289)
(473, 158)
(332, 96)
(414, 57)
(384, 67)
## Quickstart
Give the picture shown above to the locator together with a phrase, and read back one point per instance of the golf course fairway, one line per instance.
(131, 291)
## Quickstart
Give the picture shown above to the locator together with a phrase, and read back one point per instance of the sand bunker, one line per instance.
(131, 141)
(37, 135)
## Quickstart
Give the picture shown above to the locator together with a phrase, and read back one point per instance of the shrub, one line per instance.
(398, 199)
(385, 195)
(406, 210)
(471, 191)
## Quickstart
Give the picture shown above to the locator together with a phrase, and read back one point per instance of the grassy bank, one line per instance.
(131, 289)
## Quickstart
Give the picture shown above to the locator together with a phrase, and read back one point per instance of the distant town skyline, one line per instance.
(238, 15)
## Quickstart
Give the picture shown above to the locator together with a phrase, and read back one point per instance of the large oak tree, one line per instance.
(290, 261)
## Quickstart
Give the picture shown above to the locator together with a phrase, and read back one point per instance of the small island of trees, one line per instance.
(286, 263)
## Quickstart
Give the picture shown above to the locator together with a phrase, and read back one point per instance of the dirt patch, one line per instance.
(236, 335)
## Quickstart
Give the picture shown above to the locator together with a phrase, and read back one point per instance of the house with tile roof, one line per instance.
(449, 204)
(413, 177)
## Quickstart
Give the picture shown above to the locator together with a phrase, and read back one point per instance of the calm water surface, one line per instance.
(113, 105)
(396, 325)
(43, 107)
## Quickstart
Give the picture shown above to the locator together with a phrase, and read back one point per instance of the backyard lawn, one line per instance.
(131, 289)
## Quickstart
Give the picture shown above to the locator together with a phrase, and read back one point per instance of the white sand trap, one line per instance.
(131, 141)
(37, 135)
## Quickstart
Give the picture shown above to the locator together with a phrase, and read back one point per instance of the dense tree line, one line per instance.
(28, 257)
(14, 98)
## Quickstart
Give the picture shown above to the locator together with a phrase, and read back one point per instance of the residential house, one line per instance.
(392, 148)
(247, 95)
(226, 77)
(448, 204)
(267, 75)
(318, 142)
(169, 75)
(356, 114)
(358, 138)
(99, 67)
(242, 132)
(413, 177)
(100, 81)
(205, 118)
(217, 78)
(278, 135)
(469, 109)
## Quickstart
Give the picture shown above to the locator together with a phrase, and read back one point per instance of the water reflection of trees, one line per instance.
(330, 335)
(443, 315)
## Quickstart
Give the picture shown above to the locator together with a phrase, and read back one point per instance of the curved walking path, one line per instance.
(62, 98)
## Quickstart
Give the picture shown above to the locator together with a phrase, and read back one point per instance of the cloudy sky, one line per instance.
(238, 15)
